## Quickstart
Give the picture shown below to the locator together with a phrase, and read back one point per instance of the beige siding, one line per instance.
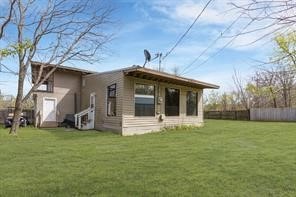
(98, 83)
(69, 84)
(66, 87)
(138, 125)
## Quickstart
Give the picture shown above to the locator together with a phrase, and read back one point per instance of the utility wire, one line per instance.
(186, 32)
(212, 44)
(8, 70)
(221, 49)
(228, 43)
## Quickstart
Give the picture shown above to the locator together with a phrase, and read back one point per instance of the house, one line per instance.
(133, 100)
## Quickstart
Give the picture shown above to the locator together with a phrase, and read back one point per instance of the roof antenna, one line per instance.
(147, 57)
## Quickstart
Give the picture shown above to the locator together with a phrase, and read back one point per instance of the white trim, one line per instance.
(94, 108)
(93, 94)
(49, 98)
(107, 103)
(144, 96)
(155, 86)
(111, 71)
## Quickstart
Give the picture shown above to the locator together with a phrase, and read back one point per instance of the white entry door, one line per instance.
(49, 109)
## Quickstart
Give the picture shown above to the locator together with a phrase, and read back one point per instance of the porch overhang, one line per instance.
(154, 75)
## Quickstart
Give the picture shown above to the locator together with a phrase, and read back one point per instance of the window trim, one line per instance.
(51, 78)
(48, 91)
(196, 93)
(166, 102)
(93, 94)
(149, 84)
(113, 97)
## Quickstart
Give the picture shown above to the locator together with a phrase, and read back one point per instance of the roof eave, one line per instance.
(169, 77)
(86, 72)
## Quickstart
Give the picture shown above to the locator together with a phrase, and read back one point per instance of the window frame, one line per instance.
(154, 101)
(48, 83)
(196, 107)
(165, 101)
(111, 97)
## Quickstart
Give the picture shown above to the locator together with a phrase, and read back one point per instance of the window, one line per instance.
(172, 103)
(42, 87)
(191, 103)
(144, 100)
(111, 100)
(47, 86)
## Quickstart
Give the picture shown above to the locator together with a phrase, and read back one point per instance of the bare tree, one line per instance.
(240, 89)
(268, 16)
(234, 100)
(6, 18)
(278, 74)
(286, 80)
(55, 32)
(272, 86)
(224, 101)
(264, 83)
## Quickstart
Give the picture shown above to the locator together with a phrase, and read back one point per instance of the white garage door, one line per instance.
(49, 109)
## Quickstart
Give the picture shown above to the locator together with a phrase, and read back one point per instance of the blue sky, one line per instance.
(157, 24)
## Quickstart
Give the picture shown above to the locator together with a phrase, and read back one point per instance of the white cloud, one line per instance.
(189, 9)
(218, 16)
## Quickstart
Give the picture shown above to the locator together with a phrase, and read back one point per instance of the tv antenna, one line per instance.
(148, 57)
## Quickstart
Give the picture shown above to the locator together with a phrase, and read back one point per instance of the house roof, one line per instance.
(150, 74)
(144, 73)
(67, 68)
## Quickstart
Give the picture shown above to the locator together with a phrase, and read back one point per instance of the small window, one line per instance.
(144, 100)
(47, 86)
(172, 102)
(111, 100)
(42, 87)
(191, 103)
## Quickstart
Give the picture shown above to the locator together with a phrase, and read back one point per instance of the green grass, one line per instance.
(225, 158)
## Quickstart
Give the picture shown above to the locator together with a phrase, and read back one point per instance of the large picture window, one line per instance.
(144, 100)
(172, 102)
(191, 103)
(111, 100)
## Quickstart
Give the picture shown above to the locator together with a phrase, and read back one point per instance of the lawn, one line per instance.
(225, 158)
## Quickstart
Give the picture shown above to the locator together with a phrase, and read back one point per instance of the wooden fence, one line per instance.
(228, 115)
(273, 114)
(29, 113)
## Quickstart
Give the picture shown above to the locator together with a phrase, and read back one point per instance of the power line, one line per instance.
(221, 49)
(228, 43)
(9, 71)
(212, 44)
(186, 32)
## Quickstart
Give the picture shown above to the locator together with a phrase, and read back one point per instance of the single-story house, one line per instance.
(133, 100)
